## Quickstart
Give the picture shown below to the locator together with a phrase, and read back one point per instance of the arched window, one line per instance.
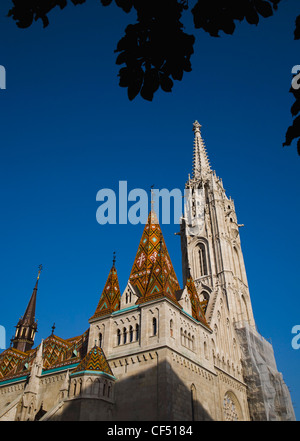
(130, 334)
(231, 407)
(100, 339)
(154, 326)
(137, 332)
(193, 401)
(205, 350)
(202, 259)
(124, 335)
(118, 337)
(171, 328)
(245, 310)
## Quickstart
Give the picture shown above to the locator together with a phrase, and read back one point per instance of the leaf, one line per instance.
(252, 16)
(297, 29)
(106, 2)
(151, 84)
(135, 84)
(293, 132)
(263, 8)
(166, 83)
(126, 5)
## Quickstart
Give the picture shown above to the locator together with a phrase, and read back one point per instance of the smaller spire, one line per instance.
(27, 325)
(201, 166)
(111, 296)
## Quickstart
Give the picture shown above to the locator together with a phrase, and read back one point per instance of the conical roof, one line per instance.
(152, 273)
(95, 360)
(111, 296)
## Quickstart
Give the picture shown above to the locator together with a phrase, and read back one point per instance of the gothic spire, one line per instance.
(201, 166)
(27, 326)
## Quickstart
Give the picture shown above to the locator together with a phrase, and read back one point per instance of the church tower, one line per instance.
(210, 240)
(212, 254)
(27, 325)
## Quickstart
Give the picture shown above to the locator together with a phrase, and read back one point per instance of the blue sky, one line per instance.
(68, 130)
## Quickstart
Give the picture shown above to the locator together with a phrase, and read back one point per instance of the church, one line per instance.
(157, 351)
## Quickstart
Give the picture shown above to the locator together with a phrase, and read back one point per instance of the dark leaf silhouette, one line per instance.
(293, 132)
(155, 51)
(218, 15)
(297, 28)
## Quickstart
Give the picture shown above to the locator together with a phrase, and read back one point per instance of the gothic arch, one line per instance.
(194, 402)
(245, 311)
(200, 259)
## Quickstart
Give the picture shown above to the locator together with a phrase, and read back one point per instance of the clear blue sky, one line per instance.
(68, 130)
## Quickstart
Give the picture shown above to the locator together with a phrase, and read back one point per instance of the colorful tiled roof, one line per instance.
(111, 296)
(9, 361)
(95, 361)
(57, 352)
(152, 272)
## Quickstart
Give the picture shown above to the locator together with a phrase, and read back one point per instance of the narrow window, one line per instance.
(193, 401)
(202, 259)
(154, 326)
(124, 336)
(130, 334)
(137, 332)
(118, 337)
(100, 339)
(171, 328)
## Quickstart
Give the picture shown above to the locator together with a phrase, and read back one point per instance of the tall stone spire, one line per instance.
(27, 326)
(201, 166)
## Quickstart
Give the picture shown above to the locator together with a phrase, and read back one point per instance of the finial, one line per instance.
(53, 327)
(40, 267)
(114, 258)
(196, 127)
(152, 197)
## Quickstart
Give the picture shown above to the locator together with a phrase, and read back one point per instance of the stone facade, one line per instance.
(159, 352)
